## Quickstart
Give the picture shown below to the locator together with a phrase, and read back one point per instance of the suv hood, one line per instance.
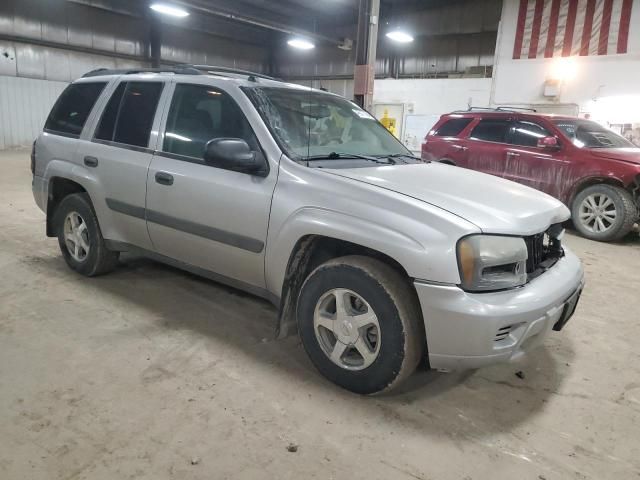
(629, 155)
(492, 204)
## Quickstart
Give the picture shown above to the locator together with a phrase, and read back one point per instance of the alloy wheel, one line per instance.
(597, 213)
(76, 236)
(347, 329)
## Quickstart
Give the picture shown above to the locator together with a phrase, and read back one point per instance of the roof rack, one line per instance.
(519, 109)
(182, 69)
(222, 70)
(498, 109)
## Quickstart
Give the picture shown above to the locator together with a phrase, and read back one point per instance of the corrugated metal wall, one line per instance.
(46, 43)
(24, 106)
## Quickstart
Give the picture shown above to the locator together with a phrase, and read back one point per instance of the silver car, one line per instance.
(378, 260)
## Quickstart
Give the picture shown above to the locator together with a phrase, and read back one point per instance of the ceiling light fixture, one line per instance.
(301, 44)
(400, 36)
(169, 10)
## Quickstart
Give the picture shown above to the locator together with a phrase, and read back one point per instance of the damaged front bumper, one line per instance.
(471, 330)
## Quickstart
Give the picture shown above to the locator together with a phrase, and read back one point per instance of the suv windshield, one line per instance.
(310, 124)
(589, 134)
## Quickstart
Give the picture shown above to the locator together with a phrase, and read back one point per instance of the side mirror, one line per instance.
(549, 143)
(234, 154)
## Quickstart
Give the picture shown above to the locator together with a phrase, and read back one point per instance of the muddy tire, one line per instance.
(604, 212)
(80, 238)
(360, 323)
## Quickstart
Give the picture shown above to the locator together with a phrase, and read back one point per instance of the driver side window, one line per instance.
(527, 134)
(200, 113)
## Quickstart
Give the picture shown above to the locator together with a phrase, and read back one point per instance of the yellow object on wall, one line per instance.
(389, 123)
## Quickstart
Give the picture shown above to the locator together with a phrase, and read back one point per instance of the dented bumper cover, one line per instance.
(471, 330)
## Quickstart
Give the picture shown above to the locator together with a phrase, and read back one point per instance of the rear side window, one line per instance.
(128, 116)
(491, 131)
(527, 134)
(72, 109)
(453, 127)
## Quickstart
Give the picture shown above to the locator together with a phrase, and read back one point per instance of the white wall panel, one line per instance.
(604, 86)
(24, 106)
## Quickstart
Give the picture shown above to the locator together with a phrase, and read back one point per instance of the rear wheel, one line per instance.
(80, 239)
(360, 324)
(604, 212)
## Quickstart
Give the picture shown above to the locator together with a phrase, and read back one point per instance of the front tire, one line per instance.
(360, 324)
(80, 238)
(604, 212)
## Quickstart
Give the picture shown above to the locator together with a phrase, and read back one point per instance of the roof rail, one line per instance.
(222, 70)
(511, 109)
(497, 110)
(475, 109)
(181, 69)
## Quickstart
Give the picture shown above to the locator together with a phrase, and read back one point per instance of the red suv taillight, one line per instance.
(33, 158)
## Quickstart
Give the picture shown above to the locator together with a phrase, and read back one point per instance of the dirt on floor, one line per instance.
(152, 373)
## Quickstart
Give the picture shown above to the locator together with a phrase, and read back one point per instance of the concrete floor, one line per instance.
(151, 373)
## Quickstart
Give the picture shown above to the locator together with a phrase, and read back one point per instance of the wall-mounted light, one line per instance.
(400, 36)
(563, 69)
(169, 10)
(301, 44)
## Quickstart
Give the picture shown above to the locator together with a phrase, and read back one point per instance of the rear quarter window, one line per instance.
(71, 110)
(452, 127)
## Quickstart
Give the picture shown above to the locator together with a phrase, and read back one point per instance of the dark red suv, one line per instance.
(593, 170)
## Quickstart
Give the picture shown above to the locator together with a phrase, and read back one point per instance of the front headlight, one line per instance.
(492, 262)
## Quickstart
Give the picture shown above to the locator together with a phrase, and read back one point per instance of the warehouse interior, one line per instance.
(156, 372)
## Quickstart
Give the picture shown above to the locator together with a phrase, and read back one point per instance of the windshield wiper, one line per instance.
(346, 156)
(404, 155)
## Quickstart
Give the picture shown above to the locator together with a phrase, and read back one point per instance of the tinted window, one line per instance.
(108, 121)
(128, 116)
(70, 112)
(589, 134)
(527, 134)
(198, 114)
(491, 131)
(453, 127)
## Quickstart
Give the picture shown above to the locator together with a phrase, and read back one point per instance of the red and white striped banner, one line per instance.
(564, 28)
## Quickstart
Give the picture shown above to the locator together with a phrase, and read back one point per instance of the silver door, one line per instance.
(207, 217)
(121, 161)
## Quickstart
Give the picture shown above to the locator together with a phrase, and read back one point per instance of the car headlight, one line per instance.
(492, 262)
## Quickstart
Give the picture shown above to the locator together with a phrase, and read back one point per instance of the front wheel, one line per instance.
(360, 324)
(604, 212)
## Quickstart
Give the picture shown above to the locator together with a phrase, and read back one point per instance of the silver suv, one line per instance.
(378, 260)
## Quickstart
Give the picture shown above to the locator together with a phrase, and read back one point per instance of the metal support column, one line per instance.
(155, 40)
(367, 40)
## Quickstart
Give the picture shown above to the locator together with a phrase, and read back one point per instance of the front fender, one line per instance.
(419, 258)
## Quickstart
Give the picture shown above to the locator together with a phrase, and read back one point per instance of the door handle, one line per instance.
(512, 154)
(91, 161)
(163, 178)
(460, 147)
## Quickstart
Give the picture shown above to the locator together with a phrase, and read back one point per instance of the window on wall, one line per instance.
(453, 127)
(200, 113)
(72, 109)
(491, 131)
(527, 134)
(128, 117)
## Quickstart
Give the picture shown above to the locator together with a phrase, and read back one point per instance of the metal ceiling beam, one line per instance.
(270, 25)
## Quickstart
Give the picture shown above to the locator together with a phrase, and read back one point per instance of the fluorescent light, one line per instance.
(169, 10)
(400, 36)
(301, 43)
